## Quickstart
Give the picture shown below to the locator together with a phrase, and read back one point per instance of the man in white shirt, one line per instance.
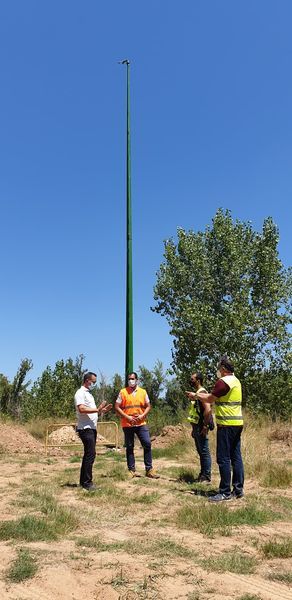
(87, 416)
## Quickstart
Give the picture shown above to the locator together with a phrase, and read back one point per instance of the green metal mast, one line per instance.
(129, 282)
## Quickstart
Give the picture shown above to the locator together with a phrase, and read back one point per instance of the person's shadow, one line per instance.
(204, 493)
(199, 492)
(70, 485)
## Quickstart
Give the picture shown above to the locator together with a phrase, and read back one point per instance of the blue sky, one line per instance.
(211, 99)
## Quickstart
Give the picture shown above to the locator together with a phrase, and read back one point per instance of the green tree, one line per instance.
(14, 395)
(52, 395)
(153, 381)
(19, 392)
(175, 398)
(117, 385)
(225, 290)
(5, 387)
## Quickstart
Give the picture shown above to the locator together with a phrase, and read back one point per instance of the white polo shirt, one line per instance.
(84, 420)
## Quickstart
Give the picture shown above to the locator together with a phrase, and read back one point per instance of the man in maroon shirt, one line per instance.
(227, 397)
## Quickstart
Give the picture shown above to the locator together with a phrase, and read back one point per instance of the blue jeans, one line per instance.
(202, 446)
(143, 434)
(229, 455)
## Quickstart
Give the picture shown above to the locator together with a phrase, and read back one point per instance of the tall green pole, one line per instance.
(129, 282)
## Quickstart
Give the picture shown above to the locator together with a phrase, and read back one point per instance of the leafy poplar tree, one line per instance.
(225, 290)
(52, 394)
(14, 395)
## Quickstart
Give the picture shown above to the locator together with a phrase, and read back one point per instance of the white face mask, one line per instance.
(92, 386)
(132, 382)
(218, 374)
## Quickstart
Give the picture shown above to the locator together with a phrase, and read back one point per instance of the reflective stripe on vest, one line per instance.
(228, 407)
(133, 404)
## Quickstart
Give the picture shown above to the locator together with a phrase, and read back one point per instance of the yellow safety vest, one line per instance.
(228, 407)
(194, 412)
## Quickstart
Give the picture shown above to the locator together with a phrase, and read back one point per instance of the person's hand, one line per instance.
(131, 420)
(139, 418)
(204, 430)
(107, 409)
(191, 395)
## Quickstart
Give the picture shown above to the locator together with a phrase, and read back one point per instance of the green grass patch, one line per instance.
(283, 577)
(168, 548)
(28, 528)
(23, 567)
(75, 459)
(174, 451)
(277, 476)
(57, 520)
(210, 519)
(277, 549)
(116, 472)
(186, 475)
(116, 456)
(96, 543)
(284, 504)
(165, 547)
(233, 561)
(146, 498)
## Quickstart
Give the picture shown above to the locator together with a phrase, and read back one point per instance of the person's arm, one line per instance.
(204, 397)
(120, 412)
(144, 414)
(85, 410)
(221, 388)
(206, 416)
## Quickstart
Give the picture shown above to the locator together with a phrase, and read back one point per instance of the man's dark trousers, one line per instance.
(88, 438)
(202, 446)
(229, 454)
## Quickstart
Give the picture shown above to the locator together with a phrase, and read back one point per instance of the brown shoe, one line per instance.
(132, 474)
(151, 474)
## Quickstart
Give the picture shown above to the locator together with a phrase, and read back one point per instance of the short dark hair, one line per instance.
(199, 376)
(88, 375)
(132, 373)
(226, 363)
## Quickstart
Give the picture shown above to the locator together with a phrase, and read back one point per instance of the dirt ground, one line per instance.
(141, 552)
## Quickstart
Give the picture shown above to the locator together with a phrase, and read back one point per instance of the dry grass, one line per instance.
(280, 432)
(145, 538)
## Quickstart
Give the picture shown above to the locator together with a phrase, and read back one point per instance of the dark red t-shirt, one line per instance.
(220, 388)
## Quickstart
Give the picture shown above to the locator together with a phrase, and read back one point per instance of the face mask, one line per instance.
(92, 386)
(218, 373)
(192, 383)
(132, 382)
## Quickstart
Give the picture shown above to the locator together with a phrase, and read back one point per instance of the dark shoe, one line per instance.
(237, 495)
(90, 488)
(220, 498)
(204, 479)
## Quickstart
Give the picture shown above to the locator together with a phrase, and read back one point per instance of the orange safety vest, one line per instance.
(132, 404)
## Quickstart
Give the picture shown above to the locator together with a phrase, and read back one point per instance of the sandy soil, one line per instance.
(70, 571)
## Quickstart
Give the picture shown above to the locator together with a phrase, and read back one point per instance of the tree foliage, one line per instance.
(225, 290)
(153, 381)
(52, 395)
(13, 395)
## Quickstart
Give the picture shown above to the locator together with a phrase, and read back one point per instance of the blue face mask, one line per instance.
(92, 386)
